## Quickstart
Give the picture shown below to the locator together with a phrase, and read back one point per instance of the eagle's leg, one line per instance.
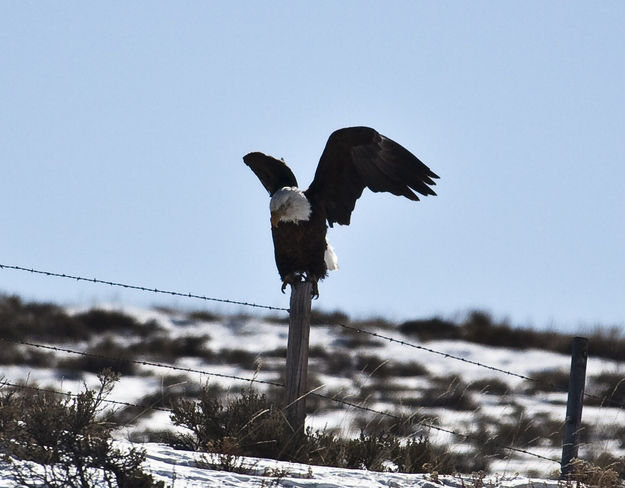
(312, 279)
(291, 279)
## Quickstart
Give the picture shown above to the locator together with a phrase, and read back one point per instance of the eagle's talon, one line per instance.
(294, 278)
(314, 283)
(315, 290)
(290, 280)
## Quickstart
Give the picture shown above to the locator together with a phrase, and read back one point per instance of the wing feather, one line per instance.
(273, 173)
(356, 158)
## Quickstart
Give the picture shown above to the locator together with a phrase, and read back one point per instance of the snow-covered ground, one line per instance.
(258, 336)
(164, 462)
(180, 469)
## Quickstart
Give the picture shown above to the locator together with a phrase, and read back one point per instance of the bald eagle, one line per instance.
(354, 158)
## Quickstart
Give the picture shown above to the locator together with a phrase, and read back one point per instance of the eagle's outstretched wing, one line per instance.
(272, 173)
(359, 157)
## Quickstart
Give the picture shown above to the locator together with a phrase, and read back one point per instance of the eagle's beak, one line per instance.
(275, 218)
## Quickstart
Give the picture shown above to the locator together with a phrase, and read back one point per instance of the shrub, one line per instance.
(99, 321)
(172, 388)
(447, 392)
(399, 425)
(608, 390)
(339, 363)
(106, 354)
(373, 323)
(548, 381)
(607, 343)
(250, 425)
(520, 430)
(46, 322)
(421, 456)
(368, 363)
(13, 354)
(165, 348)
(280, 352)
(490, 386)
(328, 318)
(203, 316)
(407, 369)
(353, 339)
(479, 327)
(66, 441)
(246, 426)
(431, 329)
(37, 321)
(380, 390)
(240, 357)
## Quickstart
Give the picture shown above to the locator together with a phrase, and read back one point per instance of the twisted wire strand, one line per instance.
(141, 288)
(433, 351)
(614, 403)
(139, 362)
(74, 395)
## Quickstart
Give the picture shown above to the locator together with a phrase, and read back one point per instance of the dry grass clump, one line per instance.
(608, 474)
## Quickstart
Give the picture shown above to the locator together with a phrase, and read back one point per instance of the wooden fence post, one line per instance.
(297, 354)
(572, 424)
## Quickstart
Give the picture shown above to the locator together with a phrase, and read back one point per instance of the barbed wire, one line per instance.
(22, 386)
(141, 288)
(446, 355)
(139, 362)
(269, 307)
(430, 425)
(433, 351)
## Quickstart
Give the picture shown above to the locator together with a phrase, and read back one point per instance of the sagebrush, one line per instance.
(62, 441)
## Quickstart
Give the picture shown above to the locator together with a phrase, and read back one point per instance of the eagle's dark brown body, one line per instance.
(300, 247)
(354, 158)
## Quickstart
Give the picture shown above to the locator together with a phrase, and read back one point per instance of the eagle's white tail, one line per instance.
(332, 263)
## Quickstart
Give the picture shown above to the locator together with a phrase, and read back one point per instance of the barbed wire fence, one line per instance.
(256, 380)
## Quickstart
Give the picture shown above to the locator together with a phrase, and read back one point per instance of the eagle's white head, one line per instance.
(289, 204)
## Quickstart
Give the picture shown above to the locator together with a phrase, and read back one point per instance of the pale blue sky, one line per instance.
(123, 124)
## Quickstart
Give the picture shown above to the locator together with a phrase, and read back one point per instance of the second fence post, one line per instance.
(573, 421)
(297, 354)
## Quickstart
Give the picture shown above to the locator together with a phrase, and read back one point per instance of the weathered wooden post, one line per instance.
(297, 354)
(572, 424)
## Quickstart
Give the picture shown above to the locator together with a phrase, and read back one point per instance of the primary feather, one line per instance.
(359, 157)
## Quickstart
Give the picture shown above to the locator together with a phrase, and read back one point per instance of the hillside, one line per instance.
(435, 377)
